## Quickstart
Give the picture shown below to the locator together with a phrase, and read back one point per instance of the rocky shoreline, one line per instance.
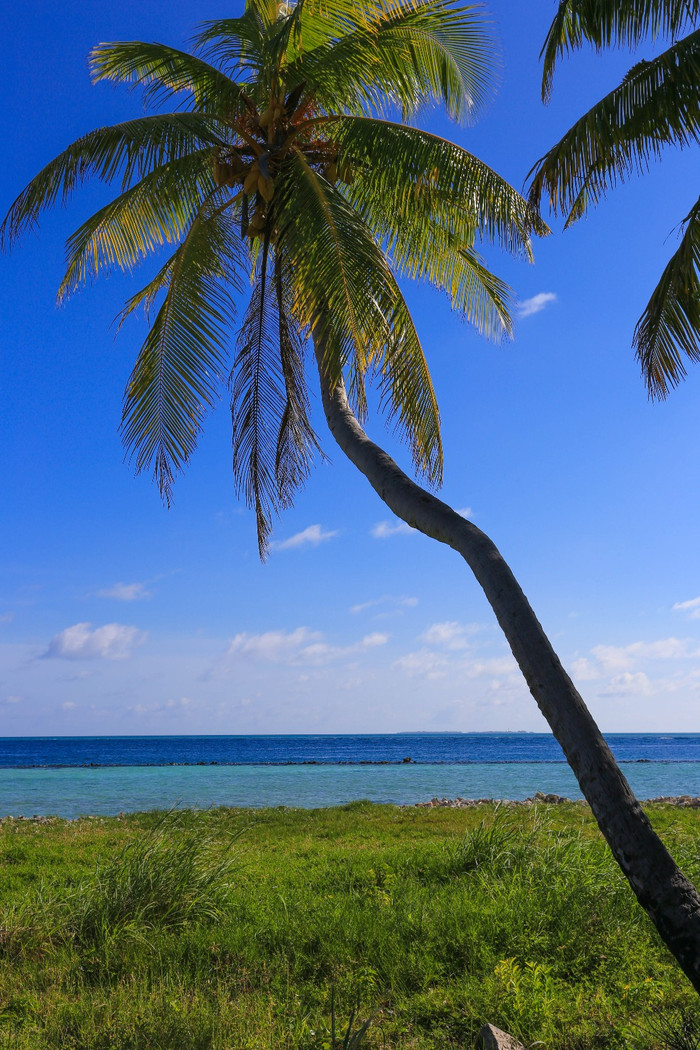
(683, 801)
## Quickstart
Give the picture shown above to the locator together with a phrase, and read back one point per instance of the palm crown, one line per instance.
(283, 167)
(657, 104)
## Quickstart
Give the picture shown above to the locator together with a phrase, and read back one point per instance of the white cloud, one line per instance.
(387, 599)
(691, 607)
(126, 592)
(300, 646)
(449, 635)
(625, 670)
(498, 666)
(67, 705)
(167, 707)
(311, 537)
(628, 684)
(383, 529)
(272, 646)
(537, 303)
(445, 653)
(620, 658)
(371, 641)
(464, 512)
(422, 663)
(584, 670)
(114, 641)
(12, 699)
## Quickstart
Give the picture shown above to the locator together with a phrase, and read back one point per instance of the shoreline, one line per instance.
(539, 798)
(549, 799)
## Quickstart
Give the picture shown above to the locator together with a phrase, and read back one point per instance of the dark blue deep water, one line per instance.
(450, 748)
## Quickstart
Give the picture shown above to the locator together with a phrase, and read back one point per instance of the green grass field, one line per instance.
(235, 929)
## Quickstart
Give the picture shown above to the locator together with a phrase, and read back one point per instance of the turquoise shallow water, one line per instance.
(70, 792)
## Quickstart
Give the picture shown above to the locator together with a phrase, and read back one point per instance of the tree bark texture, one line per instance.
(668, 897)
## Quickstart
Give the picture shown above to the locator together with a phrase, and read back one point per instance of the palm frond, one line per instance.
(154, 212)
(235, 44)
(605, 23)
(346, 294)
(405, 53)
(440, 52)
(668, 332)
(242, 44)
(407, 393)
(334, 267)
(164, 71)
(658, 103)
(258, 404)
(406, 182)
(178, 373)
(428, 230)
(480, 296)
(123, 151)
(304, 25)
(265, 10)
(297, 443)
(146, 297)
(273, 441)
(308, 24)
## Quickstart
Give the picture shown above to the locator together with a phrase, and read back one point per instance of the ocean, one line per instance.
(72, 776)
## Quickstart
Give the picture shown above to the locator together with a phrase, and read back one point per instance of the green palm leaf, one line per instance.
(145, 298)
(346, 294)
(404, 53)
(154, 212)
(123, 152)
(163, 72)
(241, 45)
(667, 333)
(423, 178)
(297, 443)
(607, 22)
(273, 441)
(442, 53)
(334, 266)
(178, 373)
(407, 393)
(658, 103)
(259, 403)
(236, 44)
(480, 296)
(266, 11)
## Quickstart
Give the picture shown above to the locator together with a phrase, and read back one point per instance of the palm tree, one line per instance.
(656, 104)
(285, 166)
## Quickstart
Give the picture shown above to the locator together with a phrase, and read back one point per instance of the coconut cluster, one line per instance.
(266, 139)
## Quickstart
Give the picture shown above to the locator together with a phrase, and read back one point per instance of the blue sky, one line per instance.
(117, 616)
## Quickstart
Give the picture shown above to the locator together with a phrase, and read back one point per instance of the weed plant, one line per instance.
(152, 933)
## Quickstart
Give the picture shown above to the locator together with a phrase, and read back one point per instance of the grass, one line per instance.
(162, 881)
(243, 930)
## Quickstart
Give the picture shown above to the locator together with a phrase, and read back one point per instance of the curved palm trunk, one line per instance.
(669, 898)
